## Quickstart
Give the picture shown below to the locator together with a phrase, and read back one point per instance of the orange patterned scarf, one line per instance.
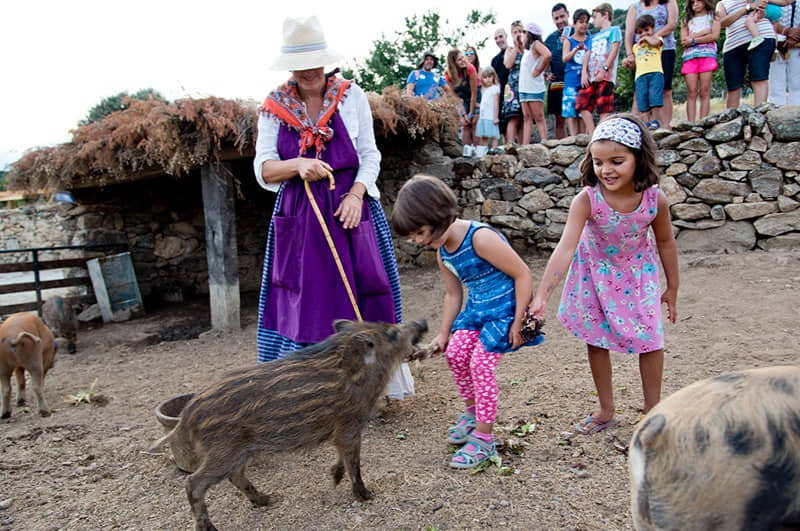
(285, 104)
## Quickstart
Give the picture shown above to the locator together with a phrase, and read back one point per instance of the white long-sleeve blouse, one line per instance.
(357, 117)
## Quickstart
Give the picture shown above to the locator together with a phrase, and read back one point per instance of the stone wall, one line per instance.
(30, 226)
(162, 222)
(732, 181)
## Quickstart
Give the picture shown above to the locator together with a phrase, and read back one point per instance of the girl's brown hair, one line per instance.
(690, 14)
(646, 172)
(453, 71)
(424, 200)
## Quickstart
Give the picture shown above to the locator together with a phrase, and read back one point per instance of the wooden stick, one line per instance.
(331, 245)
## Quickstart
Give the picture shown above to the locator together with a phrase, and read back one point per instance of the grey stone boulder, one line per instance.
(733, 236)
(784, 156)
(536, 201)
(534, 155)
(740, 211)
(725, 131)
(767, 182)
(775, 224)
(719, 190)
(536, 176)
(784, 122)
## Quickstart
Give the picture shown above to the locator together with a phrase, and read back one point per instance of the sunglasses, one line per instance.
(470, 52)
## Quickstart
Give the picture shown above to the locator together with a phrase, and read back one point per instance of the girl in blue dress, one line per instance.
(475, 338)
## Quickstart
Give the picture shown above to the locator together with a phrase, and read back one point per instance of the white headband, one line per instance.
(619, 130)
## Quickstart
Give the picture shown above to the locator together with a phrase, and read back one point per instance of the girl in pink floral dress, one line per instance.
(612, 296)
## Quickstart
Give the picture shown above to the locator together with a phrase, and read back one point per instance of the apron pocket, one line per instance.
(288, 247)
(370, 275)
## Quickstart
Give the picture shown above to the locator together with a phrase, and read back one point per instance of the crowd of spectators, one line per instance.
(571, 73)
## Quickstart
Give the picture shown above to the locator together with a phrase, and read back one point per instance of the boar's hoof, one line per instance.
(262, 500)
(20, 401)
(362, 493)
(5, 415)
(337, 472)
(44, 412)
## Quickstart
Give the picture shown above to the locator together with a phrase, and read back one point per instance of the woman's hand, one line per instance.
(313, 169)
(349, 211)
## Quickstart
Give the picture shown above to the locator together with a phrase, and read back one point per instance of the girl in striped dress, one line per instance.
(475, 338)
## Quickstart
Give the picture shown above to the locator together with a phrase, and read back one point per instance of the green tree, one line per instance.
(390, 60)
(117, 103)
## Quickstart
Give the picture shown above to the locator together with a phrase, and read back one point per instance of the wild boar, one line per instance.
(722, 453)
(60, 317)
(25, 344)
(323, 392)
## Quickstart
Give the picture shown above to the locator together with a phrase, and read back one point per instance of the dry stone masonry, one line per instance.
(732, 181)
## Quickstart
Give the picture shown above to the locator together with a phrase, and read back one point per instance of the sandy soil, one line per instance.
(84, 467)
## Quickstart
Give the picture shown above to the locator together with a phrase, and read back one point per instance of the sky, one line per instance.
(59, 58)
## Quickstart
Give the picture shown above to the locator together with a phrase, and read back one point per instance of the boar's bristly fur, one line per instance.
(323, 392)
(722, 453)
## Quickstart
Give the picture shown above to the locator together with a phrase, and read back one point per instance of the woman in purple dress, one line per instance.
(313, 126)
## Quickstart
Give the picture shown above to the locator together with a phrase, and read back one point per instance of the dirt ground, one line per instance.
(84, 466)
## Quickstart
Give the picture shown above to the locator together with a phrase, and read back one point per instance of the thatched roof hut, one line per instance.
(211, 140)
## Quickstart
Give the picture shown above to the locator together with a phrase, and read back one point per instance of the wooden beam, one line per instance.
(47, 264)
(219, 207)
(45, 284)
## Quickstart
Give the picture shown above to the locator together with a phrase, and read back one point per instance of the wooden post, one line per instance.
(223, 261)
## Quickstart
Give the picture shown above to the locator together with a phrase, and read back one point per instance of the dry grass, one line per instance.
(717, 106)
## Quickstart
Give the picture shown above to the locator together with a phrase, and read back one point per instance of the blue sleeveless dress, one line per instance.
(491, 301)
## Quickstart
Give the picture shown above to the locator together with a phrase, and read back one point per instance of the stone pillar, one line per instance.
(223, 263)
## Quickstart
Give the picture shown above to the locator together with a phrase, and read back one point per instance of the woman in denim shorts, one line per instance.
(735, 55)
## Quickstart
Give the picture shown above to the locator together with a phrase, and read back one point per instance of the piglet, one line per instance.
(323, 392)
(25, 344)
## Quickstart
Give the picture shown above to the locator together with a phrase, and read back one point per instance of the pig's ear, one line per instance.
(342, 325)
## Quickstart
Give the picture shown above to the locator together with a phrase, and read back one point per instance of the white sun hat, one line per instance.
(304, 46)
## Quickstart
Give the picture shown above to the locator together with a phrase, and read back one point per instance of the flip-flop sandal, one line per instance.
(473, 453)
(459, 433)
(590, 426)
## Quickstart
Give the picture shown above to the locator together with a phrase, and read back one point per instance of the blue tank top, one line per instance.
(491, 301)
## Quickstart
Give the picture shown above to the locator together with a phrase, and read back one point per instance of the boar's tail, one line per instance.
(36, 339)
(155, 448)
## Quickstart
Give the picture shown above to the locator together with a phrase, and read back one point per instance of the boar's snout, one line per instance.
(421, 326)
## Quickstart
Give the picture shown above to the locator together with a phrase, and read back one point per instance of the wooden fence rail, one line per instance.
(38, 285)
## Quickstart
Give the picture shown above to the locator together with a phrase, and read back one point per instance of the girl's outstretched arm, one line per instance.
(491, 247)
(453, 297)
(557, 266)
(668, 251)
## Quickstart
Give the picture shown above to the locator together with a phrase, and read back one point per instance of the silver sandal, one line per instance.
(459, 433)
(474, 452)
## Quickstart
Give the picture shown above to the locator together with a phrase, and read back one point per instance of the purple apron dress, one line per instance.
(302, 292)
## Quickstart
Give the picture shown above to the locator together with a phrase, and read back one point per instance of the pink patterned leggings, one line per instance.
(473, 372)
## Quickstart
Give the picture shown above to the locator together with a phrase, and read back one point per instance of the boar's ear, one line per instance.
(342, 325)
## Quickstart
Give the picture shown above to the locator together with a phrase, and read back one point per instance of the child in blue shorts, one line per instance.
(649, 82)
(573, 53)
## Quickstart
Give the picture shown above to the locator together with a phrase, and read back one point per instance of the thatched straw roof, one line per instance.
(151, 138)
